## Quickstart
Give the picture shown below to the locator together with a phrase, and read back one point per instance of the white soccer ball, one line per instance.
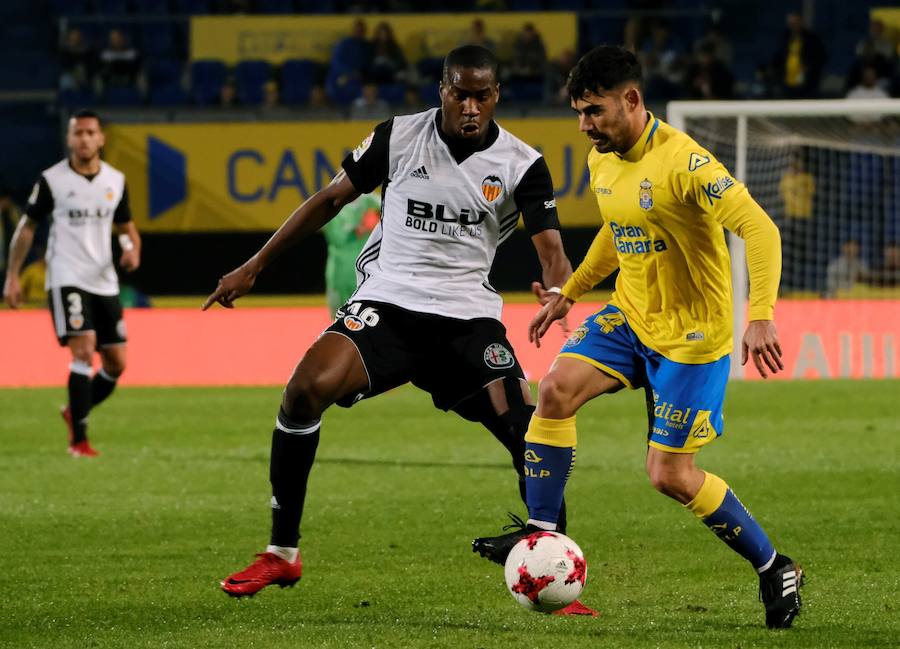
(545, 571)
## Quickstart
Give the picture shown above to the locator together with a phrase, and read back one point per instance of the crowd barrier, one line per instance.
(260, 346)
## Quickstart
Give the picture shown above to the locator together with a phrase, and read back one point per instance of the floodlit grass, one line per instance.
(127, 550)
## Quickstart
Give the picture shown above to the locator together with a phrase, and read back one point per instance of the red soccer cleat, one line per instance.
(266, 570)
(576, 608)
(66, 414)
(82, 449)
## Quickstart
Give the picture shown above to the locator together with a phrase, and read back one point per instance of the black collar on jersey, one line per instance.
(89, 177)
(461, 149)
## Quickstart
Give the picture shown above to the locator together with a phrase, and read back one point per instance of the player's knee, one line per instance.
(114, 367)
(555, 396)
(307, 395)
(668, 480)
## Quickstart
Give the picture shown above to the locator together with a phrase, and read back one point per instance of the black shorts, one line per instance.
(449, 358)
(77, 312)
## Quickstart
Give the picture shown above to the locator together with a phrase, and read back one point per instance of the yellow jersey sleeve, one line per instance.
(727, 201)
(598, 263)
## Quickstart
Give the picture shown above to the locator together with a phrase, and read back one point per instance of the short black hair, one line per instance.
(603, 68)
(86, 113)
(470, 56)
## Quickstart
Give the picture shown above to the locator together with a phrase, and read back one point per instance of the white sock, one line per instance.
(544, 525)
(288, 554)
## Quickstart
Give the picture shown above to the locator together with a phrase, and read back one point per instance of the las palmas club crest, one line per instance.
(645, 194)
(491, 187)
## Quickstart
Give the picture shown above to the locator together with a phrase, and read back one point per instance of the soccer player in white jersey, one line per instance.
(85, 200)
(664, 201)
(453, 185)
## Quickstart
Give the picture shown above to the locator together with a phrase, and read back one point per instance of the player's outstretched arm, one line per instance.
(314, 213)
(761, 344)
(18, 249)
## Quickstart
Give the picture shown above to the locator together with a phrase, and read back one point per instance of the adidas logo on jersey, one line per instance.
(420, 173)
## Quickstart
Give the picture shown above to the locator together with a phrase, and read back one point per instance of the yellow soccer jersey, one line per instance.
(663, 205)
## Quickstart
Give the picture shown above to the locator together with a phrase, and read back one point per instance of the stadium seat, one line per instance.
(112, 7)
(122, 96)
(192, 7)
(77, 97)
(158, 40)
(164, 83)
(68, 7)
(207, 78)
(317, 7)
(525, 91)
(392, 93)
(343, 94)
(152, 7)
(297, 79)
(525, 5)
(275, 6)
(250, 76)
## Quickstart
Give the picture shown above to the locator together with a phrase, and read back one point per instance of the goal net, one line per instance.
(828, 173)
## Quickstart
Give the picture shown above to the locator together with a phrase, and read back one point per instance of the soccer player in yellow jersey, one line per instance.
(664, 201)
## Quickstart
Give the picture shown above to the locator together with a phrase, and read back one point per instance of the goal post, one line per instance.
(834, 142)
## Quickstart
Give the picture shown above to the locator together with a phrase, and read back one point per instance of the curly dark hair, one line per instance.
(603, 68)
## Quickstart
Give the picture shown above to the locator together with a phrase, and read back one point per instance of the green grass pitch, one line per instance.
(127, 550)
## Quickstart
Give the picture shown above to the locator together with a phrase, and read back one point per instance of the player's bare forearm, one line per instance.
(310, 217)
(555, 266)
(315, 212)
(19, 246)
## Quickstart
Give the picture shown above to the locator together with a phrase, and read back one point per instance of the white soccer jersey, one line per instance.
(82, 210)
(445, 209)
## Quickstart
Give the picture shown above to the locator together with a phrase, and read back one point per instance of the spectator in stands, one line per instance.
(412, 101)
(119, 62)
(317, 97)
(708, 77)
(76, 61)
(664, 61)
(228, 95)
(797, 189)
(887, 274)
(761, 86)
(845, 270)
(478, 36)
(876, 44)
(350, 60)
(714, 41)
(875, 50)
(529, 56)
(369, 106)
(870, 88)
(271, 102)
(388, 61)
(557, 92)
(799, 60)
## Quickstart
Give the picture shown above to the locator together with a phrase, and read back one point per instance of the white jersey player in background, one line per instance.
(85, 200)
(453, 185)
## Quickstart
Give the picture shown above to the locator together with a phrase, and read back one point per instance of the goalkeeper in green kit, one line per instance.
(345, 235)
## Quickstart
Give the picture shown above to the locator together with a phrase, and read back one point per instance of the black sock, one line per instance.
(79, 399)
(102, 386)
(293, 452)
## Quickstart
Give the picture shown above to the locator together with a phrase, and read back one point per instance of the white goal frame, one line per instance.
(677, 113)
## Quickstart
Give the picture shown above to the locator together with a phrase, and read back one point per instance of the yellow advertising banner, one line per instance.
(279, 38)
(250, 177)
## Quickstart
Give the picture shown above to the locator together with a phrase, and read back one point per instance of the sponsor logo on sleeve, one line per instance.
(697, 160)
(363, 147)
(714, 190)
